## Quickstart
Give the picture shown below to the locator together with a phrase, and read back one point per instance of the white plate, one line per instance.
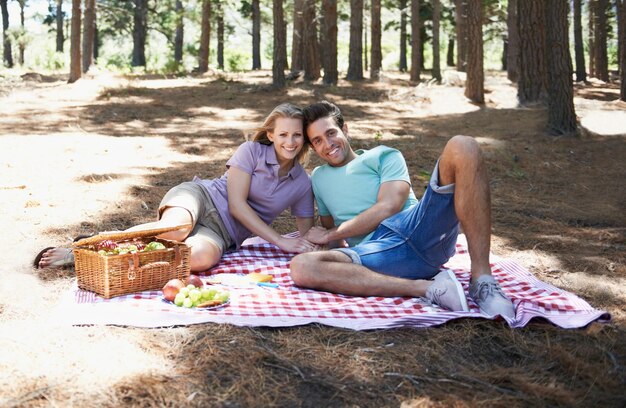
(196, 308)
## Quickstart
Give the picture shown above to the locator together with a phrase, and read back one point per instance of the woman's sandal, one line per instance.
(66, 261)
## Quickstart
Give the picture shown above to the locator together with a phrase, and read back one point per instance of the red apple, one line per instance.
(195, 281)
(171, 288)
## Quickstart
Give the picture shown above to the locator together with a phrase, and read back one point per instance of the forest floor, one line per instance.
(99, 154)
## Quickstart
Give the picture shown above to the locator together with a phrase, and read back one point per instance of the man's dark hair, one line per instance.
(320, 110)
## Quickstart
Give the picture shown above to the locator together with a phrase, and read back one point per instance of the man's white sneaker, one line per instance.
(489, 296)
(447, 292)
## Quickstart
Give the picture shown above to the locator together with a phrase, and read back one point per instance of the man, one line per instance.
(396, 244)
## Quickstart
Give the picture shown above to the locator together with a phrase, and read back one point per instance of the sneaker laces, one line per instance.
(436, 294)
(485, 289)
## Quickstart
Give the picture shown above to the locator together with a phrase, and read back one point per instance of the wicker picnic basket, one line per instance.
(116, 275)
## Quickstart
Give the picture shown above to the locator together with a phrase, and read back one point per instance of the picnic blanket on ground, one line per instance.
(289, 305)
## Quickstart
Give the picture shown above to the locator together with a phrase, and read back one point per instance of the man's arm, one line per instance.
(390, 200)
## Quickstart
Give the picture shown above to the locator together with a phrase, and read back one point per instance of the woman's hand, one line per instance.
(296, 245)
(318, 235)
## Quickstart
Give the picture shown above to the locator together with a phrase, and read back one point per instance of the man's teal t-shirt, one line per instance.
(345, 192)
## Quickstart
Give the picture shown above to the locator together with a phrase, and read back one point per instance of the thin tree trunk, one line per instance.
(140, 30)
(205, 37)
(461, 34)
(436, 72)
(22, 43)
(601, 58)
(309, 44)
(402, 66)
(280, 43)
(561, 114)
(297, 50)
(416, 60)
(256, 34)
(622, 47)
(220, 35)
(512, 55)
(75, 60)
(365, 51)
(474, 86)
(179, 36)
(329, 11)
(6, 41)
(592, 5)
(376, 50)
(89, 28)
(355, 57)
(505, 52)
(581, 74)
(59, 20)
(450, 53)
(531, 81)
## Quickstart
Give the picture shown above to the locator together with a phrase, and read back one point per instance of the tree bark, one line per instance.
(561, 114)
(59, 20)
(461, 34)
(280, 43)
(621, 29)
(532, 72)
(376, 59)
(256, 34)
(140, 30)
(474, 86)
(450, 53)
(581, 74)
(6, 41)
(309, 42)
(22, 42)
(179, 35)
(329, 11)
(220, 35)
(75, 71)
(355, 57)
(297, 39)
(600, 42)
(402, 65)
(512, 56)
(591, 38)
(416, 60)
(205, 37)
(436, 72)
(89, 33)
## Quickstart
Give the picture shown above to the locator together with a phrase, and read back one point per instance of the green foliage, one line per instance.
(237, 60)
(51, 60)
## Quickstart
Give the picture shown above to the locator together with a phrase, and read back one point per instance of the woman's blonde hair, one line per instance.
(284, 110)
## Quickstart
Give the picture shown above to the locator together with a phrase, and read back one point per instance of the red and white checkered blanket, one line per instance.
(288, 305)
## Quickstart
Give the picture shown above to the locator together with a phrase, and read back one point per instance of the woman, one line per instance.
(263, 178)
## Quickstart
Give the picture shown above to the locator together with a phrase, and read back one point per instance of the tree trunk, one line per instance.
(75, 71)
(329, 11)
(59, 21)
(365, 50)
(297, 39)
(621, 29)
(205, 37)
(561, 114)
(436, 48)
(461, 34)
(403, 64)
(96, 43)
(474, 86)
(581, 74)
(89, 28)
(416, 60)
(355, 56)
(256, 34)
(22, 42)
(531, 81)
(6, 41)
(280, 43)
(450, 53)
(376, 59)
(220, 35)
(179, 35)
(512, 55)
(309, 42)
(505, 52)
(140, 30)
(592, 5)
(600, 41)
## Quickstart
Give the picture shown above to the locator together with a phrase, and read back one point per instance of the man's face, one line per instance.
(330, 142)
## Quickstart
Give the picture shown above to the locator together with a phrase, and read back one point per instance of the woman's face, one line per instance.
(288, 138)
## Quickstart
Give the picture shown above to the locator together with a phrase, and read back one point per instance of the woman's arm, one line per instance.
(304, 224)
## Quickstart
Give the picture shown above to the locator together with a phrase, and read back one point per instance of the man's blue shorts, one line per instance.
(414, 243)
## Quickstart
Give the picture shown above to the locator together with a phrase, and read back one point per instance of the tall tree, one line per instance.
(220, 33)
(89, 33)
(474, 86)
(600, 40)
(179, 36)
(279, 59)
(581, 74)
(531, 81)
(460, 19)
(22, 40)
(6, 41)
(205, 37)
(297, 39)
(561, 114)
(402, 65)
(140, 32)
(621, 29)
(310, 45)
(329, 29)
(591, 5)
(436, 72)
(75, 71)
(376, 49)
(59, 20)
(416, 60)
(355, 57)
(450, 52)
(512, 56)
(256, 34)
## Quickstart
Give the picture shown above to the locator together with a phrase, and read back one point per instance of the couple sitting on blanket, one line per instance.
(383, 241)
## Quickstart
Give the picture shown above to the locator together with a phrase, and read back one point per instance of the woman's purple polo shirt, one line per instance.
(269, 194)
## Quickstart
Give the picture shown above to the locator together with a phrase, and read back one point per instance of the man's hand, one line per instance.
(296, 245)
(318, 235)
